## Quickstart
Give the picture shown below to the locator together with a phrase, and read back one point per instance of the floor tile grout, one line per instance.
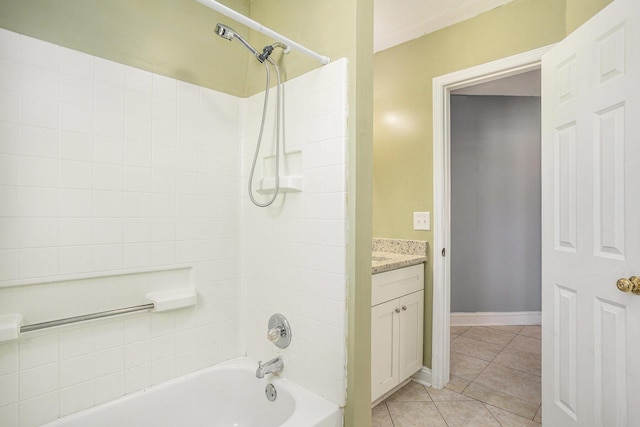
(468, 399)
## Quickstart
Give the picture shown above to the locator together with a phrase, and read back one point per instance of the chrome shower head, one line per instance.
(229, 34)
(224, 31)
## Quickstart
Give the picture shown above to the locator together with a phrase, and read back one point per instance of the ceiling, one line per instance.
(398, 21)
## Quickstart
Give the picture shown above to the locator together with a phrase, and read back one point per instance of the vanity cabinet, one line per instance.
(397, 315)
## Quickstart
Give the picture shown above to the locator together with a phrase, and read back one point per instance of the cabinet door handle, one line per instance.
(404, 308)
(397, 310)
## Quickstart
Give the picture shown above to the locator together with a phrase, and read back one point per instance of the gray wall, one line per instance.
(495, 204)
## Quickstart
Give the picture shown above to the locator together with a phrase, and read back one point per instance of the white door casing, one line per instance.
(591, 222)
(442, 87)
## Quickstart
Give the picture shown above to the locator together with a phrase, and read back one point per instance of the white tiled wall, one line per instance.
(294, 252)
(106, 169)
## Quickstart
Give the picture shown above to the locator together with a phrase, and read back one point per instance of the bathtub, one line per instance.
(225, 395)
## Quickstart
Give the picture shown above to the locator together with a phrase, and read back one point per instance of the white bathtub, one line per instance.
(224, 395)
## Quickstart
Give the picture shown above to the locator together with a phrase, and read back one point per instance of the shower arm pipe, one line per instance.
(254, 25)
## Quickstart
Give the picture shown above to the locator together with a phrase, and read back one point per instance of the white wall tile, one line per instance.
(108, 204)
(9, 138)
(138, 80)
(10, 74)
(138, 153)
(109, 97)
(110, 361)
(8, 389)
(137, 179)
(164, 87)
(107, 257)
(9, 415)
(76, 118)
(74, 174)
(39, 53)
(75, 259)
(9, 106)
(109, 387)
(163, 370)
(38, 111)
(39, 410)
(138, 103)
(9, 169)
(38, 171)
(108, 150)
(9, 266)
(137, 329)
(75, 63)
(76, 371)
(9, 44)
(108, 123)
(137, 378)
(137, 230)
(163, 253)
(108, 230)
(137, 255)
(77, 91)
(137, 128)
(38, 351)
(76, 398)
(109, 72)
(76, 342)
(38, 262)
(74, 231)
(37, 381)
(76, 146)
(39, 82)
(109, 177)
(76, 203)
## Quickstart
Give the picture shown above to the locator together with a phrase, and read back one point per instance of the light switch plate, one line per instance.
(422, 220)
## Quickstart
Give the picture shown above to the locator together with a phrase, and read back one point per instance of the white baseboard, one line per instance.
(487, 319)
(423, 376)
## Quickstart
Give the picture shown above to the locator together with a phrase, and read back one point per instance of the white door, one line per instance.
(591, 222)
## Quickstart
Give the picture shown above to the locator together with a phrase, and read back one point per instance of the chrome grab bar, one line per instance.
(84, 317)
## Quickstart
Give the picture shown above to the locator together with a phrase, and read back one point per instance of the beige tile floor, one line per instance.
(495, 381)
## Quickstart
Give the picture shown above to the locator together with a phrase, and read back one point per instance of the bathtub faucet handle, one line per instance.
(276, 333)
(279, 331)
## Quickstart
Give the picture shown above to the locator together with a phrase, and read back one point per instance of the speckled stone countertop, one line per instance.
(391, 254)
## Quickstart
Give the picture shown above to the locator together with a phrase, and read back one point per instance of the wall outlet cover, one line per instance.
(422, 220)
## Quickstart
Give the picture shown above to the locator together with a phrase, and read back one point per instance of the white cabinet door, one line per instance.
(411, 326)
(591, 222)
(385, 328)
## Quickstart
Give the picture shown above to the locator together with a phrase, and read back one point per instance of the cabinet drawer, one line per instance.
(396, 283)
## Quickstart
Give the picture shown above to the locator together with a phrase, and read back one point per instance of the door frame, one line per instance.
(442, 88)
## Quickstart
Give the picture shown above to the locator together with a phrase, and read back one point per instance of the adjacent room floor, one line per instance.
(495, 381)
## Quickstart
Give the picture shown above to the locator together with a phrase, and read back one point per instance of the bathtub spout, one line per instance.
(273, 366)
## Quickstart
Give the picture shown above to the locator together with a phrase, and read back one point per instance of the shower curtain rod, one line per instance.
(254, 25)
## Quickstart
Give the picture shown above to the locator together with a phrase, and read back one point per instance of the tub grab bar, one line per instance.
(84, 317)
(11, 324)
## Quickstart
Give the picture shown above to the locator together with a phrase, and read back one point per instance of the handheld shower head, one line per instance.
(224, 31)
(229, 34)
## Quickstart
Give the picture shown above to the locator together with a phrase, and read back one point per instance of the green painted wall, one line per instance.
(579, 11)
(169, 37)
(403, 121)
(403, 116)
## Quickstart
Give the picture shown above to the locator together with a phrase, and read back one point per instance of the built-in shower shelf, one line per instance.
(288, 184)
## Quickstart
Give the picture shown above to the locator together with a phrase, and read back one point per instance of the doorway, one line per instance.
(443, 88)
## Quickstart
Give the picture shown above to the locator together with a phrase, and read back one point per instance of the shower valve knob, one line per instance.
(275, 334)
(279, 331)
